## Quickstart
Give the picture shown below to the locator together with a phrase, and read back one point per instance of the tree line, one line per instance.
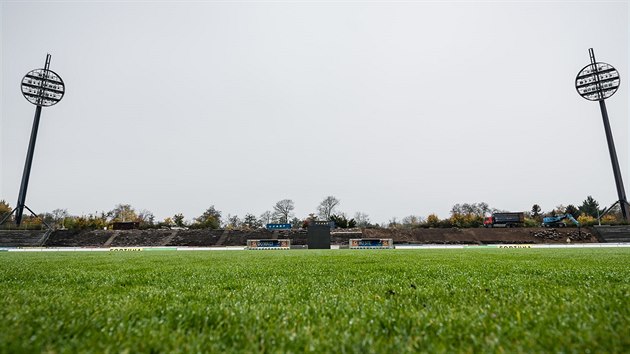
(461, 215)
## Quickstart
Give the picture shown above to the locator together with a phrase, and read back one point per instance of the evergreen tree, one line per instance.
(536, 210)
(590, 207)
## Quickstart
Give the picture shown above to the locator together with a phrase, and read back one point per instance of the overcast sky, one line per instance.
(396, 108)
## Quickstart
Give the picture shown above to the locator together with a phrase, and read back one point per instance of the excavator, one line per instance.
(556, 221)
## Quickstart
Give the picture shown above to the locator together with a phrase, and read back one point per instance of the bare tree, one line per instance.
(327, 207)
(59, 216)
(283, 210)
(362, 219)
(265, 218)
(393, 223)
(412, 221)
(475, 209)
(559, 210)
(146, 218)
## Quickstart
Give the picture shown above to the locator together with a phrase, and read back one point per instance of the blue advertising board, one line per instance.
(278, 226)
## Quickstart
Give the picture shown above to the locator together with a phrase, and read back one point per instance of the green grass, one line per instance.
(485, 300)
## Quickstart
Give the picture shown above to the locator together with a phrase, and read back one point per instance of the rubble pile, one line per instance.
(550, 234)
(576, 235)
(553, 234)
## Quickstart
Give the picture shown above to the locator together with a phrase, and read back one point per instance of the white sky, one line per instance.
(395, 108)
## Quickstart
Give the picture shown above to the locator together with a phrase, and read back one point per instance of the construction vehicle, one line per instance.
(557, 221)
(504, 220)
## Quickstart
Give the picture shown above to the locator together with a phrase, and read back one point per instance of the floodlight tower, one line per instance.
(597, 82)
(43, 88)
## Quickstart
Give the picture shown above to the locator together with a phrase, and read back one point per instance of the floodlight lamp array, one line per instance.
(597, 81)
(43, 87)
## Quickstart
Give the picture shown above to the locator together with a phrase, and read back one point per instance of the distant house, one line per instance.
(128, 225)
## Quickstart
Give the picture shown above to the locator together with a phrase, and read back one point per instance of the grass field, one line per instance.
(485, 300)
